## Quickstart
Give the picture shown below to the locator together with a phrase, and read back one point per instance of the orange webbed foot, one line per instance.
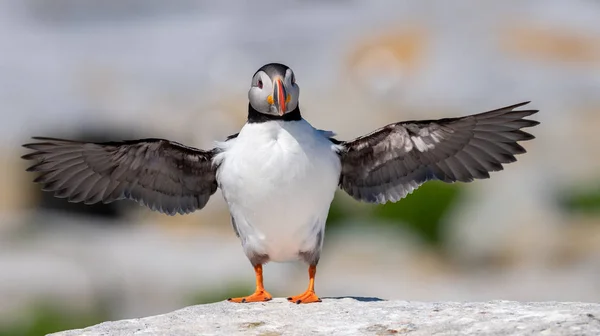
(259, 296)
(309, 296)
(306, 297)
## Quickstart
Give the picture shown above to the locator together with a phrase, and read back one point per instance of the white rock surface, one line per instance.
(363, 316)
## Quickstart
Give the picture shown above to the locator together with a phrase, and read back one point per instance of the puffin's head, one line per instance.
(274, 90)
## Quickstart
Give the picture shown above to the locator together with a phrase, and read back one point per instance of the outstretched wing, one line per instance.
(391, 162)
(163, 175)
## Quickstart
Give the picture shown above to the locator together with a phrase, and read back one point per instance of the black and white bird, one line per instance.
(279, 174)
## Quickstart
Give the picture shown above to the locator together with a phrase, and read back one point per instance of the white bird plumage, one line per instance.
(279, 179)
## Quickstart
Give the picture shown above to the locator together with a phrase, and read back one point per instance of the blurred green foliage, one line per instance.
(422, 212)
(582, 199)
(46, 318)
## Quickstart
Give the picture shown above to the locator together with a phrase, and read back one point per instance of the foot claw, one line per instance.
(307, 297)
(261, 296)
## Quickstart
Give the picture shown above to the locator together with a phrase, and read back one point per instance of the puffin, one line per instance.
(279, 174)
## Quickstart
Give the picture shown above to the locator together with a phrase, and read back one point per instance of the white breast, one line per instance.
(278, 179)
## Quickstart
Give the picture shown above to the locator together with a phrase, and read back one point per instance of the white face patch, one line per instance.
(292, 89)
(262, 87)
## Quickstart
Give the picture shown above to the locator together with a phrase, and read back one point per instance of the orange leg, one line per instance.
(260, 295)
(309, 296)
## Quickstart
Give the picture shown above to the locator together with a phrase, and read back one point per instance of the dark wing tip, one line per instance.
(47, 140)
(33, 168)
(531, 123)
(519, 105)
(523, 113)
(29, 156)
(527, 136)
(51, 139)
(32, 145)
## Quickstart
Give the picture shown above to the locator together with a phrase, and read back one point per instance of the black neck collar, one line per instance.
(256, 117)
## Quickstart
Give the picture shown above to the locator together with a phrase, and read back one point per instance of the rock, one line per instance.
(362, 316)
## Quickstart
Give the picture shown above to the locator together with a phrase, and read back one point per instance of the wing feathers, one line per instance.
(165, 176)
(391, 162)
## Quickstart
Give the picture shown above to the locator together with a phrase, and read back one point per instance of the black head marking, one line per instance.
(256, 117)
(273, 69)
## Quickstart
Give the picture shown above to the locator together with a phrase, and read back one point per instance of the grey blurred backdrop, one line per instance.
(180, 69)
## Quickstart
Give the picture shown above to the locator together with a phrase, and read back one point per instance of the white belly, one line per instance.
(279, 179)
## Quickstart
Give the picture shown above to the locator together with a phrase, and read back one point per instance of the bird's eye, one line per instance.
(259, 84)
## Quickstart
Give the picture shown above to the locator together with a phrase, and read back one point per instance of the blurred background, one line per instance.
(113, 69)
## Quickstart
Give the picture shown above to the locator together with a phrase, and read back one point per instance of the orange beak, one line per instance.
(279, 96)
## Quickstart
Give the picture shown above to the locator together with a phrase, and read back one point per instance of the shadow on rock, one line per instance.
(357, 298)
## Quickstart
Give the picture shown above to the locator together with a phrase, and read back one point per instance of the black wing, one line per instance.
(163, 175)
(391, 162)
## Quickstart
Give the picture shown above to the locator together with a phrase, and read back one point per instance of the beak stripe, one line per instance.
(279, 96)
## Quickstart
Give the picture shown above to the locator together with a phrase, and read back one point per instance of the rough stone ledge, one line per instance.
(363, 316)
